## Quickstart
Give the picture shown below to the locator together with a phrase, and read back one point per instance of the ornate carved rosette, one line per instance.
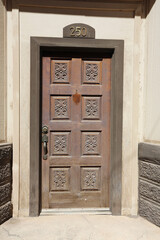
(60, 144)
(90, 144)
(92, 108)
(61, 110)
(61, 72)
(90, 179)
(91, 72)
(59, 179)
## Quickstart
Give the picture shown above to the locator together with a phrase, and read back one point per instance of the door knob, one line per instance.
(45, 129)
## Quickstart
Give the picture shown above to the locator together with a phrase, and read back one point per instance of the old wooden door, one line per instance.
(76, 110)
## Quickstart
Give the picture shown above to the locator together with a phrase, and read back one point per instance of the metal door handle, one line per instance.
(45, 151)
(45, 147)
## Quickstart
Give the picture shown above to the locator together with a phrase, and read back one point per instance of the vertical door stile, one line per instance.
(45, 121)
(76, 118)
(106, 129)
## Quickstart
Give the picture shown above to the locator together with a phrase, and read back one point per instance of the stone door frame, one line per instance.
(116, 49)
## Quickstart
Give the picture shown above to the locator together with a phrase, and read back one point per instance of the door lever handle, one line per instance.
(45, 151)
(45, 147)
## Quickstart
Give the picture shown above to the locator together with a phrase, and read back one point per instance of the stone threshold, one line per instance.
(61, 211)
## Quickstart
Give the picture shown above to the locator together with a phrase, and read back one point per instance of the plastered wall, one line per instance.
(2, 73)
(24, 25)
(152, 76)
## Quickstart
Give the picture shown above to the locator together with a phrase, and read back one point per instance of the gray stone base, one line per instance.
(5, 182)
(149, 182)
(5, 212)
(150, 211)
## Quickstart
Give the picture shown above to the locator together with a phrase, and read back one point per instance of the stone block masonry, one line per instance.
(5, 182)
(149, 182)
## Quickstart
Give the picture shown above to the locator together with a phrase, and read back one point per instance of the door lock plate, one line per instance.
(45, 138)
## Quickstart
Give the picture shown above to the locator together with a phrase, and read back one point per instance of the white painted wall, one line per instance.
(51, 25)
(152, 76)
(2, 72)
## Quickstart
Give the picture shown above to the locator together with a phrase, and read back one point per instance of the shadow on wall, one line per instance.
(149, 5)
(101, 8)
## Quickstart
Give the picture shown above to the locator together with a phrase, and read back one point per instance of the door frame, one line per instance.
(116, 47)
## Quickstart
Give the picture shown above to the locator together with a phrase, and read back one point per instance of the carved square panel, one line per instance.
(91, 107)
(60, 107)
(91, 143)
(90, 178)
(60, 143)
(92, 72)
(59, 179)
(60, 71)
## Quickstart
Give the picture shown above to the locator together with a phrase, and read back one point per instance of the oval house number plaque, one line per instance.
(78, 30)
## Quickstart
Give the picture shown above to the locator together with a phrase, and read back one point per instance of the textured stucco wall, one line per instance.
(152, 76)
(149, 160)
(2, 73)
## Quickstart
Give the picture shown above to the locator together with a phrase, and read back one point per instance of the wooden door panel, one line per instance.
(60, 143)
(60, 179)
(60, 71)
(92, 72)
(91, 107)
(90, 178)
(76, 172)
(60, 107)
(91, 143)
(81, 200)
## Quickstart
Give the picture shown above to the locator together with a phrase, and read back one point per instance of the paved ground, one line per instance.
(79, 227)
